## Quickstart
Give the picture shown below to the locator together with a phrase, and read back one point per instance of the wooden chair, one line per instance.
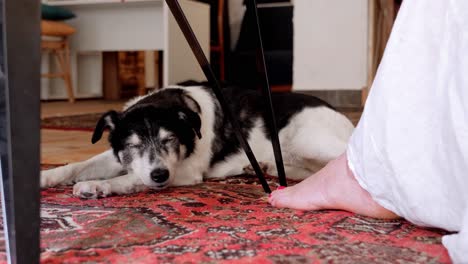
(218, 47)
(55, 40)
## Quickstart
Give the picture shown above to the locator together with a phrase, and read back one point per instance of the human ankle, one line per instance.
(333, 196)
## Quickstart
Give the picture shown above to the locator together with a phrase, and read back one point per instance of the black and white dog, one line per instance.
(178, 136)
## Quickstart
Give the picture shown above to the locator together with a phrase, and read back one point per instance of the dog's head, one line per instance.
(150, 141)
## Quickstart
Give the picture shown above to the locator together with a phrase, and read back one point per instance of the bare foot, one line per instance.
(333, 187)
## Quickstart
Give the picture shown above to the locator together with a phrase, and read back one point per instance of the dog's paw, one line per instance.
(47, 179)
(250, 171)
(92, 189)
(52, 178)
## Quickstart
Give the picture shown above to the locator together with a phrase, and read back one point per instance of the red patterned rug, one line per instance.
(220, 222)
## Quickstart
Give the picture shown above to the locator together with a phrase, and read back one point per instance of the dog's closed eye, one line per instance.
(130, 145)
(168, 140)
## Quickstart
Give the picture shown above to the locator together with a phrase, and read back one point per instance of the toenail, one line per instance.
(280, 188)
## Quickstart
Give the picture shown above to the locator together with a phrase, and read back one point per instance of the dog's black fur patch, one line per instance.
(164, 109)
(248, 104)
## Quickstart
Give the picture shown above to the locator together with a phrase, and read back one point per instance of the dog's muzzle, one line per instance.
(160, 177)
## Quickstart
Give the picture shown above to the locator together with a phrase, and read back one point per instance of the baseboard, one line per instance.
(338, 98)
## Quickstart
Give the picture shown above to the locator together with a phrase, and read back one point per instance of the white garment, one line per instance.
(410, 149)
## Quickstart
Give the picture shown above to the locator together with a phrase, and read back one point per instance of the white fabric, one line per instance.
(410, 149)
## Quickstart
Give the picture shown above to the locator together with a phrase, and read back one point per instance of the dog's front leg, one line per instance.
(102, 166)
(126, 184)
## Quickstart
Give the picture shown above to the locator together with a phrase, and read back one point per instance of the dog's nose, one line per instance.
(160, 175)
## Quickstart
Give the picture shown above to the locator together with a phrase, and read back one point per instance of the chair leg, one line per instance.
(222, 71)
(63, 60)
(67, 73)
(221, 15)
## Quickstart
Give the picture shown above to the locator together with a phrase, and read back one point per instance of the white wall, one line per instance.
(236, 15)
(330, 44)
(181, 64)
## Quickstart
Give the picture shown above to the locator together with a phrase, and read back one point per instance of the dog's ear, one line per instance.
(108, 120)
(192, 119)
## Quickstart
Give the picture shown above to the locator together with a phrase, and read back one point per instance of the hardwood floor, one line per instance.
(64, 108)
(65, 146)
(61, 147)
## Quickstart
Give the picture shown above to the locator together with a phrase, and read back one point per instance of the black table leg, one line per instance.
(262, 80)
(192, 40)
(19, 127)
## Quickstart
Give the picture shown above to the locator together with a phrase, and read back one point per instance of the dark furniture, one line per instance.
(277, 34)
(219, 35)
(19, 127)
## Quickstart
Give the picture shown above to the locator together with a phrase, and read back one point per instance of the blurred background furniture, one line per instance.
(217, 42)
(105, 27)
(55, 38)
(219, 36)
(382, 14)
(277, 34)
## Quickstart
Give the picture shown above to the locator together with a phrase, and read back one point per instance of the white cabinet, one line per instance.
(116, 25)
